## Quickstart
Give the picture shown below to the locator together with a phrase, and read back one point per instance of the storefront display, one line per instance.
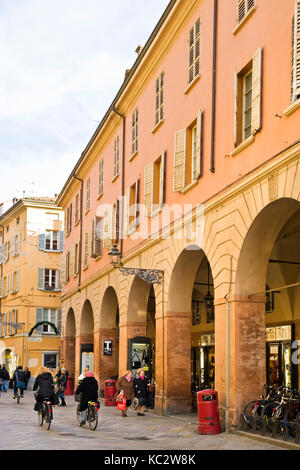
(280, 369)
(203, 363)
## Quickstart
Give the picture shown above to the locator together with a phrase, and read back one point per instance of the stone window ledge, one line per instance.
(244, 20)
(243, 146)
(292, 108)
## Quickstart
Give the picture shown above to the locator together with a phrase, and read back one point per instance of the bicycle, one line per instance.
(91, 415)
(46, 413)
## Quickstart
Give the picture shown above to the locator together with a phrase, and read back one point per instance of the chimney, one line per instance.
(139, 49)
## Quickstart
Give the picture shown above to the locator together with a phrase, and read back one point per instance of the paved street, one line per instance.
(19, 430)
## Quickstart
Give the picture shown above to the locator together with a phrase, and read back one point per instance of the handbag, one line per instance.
(121, 402)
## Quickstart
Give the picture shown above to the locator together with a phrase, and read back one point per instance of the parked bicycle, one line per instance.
(45, 416)
(90, 415)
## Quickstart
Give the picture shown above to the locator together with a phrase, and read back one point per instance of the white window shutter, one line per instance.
(198, 156)
(19, 243)
(39, 318)
(12, 282)
(256, 90)
(148, 189)
(296, 65)
(126, 204)
(41, 278)
(1, 287)
(108, 227)
(236, 108)
(7, 286)
(162, 179)
(17, 281)
(57, 280)
(72, 260)
(179, 161)
(64, 267)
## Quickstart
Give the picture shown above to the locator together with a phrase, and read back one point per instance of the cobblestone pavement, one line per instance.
(19, 430)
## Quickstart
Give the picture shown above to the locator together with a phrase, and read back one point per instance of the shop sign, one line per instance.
(207, 339)
(107, 347)
(279, 333)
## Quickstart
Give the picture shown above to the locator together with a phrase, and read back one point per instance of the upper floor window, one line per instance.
(4, 252)
(244, 7)
(14, 282)
(88, 194)
(154, 185)
(49, 279)
(68, 219)
(116, 156)
(77, 209)
(101, 177)
(48, 315)
(52, 240)
(248, 94)
(194, 51)
(97, 234)
(135, 132)
(16, 244)
(159, 99)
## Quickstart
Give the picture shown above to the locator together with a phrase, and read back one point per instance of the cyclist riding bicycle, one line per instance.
(19, 381)
(89, 390)
(44, 386)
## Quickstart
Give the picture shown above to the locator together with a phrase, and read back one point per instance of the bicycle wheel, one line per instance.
(93, 418)
(249, 421)
(40, 417)
(47, 417)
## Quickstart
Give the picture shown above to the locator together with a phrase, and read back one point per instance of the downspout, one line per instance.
(2, 262)
(123, 178)
(80, 239)
(227, 421)
(213, 106)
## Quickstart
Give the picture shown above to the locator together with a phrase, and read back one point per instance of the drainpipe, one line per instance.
(80, 239)
(1, 271)
(227, 421)
(123, 178)
(213, 107)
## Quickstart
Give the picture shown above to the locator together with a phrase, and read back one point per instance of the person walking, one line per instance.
(1, 380)
(88, 388)
(140, 386)
(5, 377)
(27, 377)
(62, 383)
(44, 386)
(19, 381)
(125, 385)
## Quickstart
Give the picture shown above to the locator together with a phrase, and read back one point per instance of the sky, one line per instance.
(61, 64)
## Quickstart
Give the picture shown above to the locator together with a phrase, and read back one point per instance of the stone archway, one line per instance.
(247, 310)
(108, 363)
(69, 343)
(85, 339)
(174, 378)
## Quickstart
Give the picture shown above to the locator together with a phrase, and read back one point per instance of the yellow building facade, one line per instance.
(31, 232)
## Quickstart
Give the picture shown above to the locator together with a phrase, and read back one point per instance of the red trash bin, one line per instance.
(208, 412)
(110, 390)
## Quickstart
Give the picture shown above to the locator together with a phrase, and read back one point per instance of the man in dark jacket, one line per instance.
(89, 390)
(19, 381)
(5, 377)
(62, 383)
(44, 386)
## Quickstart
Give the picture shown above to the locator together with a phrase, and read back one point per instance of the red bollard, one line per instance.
(69, 390)
(208, 412)
(109, 392)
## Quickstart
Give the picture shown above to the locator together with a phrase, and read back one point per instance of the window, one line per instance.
(244, 6)
(159, 100)
(88, 195)
(101, 177)
(12, 320)
(18, 220)
(14, 282)
(49, 279)
(16, 245)
(194, 51)
(135, 132)
(50, 360)
(248, 95)
(154, 185)
(4, 252)
(68, 222)
(4, 285)
(188, 155)
(295, 92)
(116, 156)
(86, 250)
(52, 240)
(77, 209)
(131, 208)
(97, 231)
(76, 261)
(48, 315)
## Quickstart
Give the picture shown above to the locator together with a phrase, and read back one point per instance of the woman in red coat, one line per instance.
(125, 385)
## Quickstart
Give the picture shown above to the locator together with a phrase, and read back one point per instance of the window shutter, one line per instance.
(148, 188)
(179, 161)
(162, 179)
(137, 203)
(57, 280)
(88, 194)
(6, 286)
(13, 248)
(12, 283)
(18, 243)
(41, 278)
(39, 318)
(296, 47)
(236, 109)
(256, 90)
(126, 212)
(64, 268)
(2, 251)
(17, 281)
(58, 323)
(61, 241)
(1, 287)
(86, 250)
(42, 239)
(72, 260)
(198, 155)
(108, 227)
(93, 239)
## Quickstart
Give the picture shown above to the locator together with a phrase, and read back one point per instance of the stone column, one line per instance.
(105, 366)
(173, 363)
(81, 339)
(68, 350)
(247, 359)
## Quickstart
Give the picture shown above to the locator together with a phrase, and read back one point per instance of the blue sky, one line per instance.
(62, 63)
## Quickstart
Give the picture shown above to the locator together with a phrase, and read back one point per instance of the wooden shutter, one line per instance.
(39, 318)
(137, 202)
(108, 227)
(6, 285)
(41, 278)
(198, 155)
(162, 179)
(72, 261)
(88, 194)
(236, 109)
(17, 281)
(256, 91)
(42, 240)
(1, 287)
(2, 253)
(98, 236)
(13, 247)
(179, 160)
(148, 188)
(64, 268)
(296, 64)
(125, 215)
(19, 243)
(86, 250)
(57, 280)
(61, 241)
